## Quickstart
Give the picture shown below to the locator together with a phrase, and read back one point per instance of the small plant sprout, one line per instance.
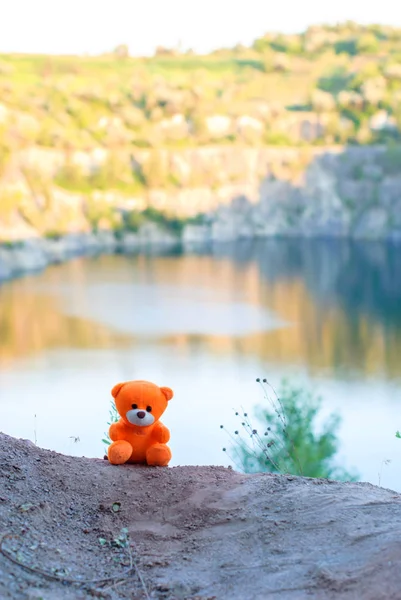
(34, 432)
(384, 463)
(122, 541)
(113, 418)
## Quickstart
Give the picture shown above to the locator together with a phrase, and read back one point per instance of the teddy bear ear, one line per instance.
(167, 392)
(116, 389)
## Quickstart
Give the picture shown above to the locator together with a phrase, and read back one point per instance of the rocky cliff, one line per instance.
(353, 193)
(349, 192)
(44, 190)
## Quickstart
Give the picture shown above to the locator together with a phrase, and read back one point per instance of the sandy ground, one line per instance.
(74, 528)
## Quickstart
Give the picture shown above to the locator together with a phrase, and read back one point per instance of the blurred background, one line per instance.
(203, 194)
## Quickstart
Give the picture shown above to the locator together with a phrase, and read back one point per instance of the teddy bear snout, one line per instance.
(140, 417)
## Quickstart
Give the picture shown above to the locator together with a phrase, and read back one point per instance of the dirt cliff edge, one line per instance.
(82, 528)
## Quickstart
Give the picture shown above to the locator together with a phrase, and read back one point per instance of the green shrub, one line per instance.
(285, 440)
(334, 80)
(347, 46)
(133, 220)
(172, 224)
(367, 44)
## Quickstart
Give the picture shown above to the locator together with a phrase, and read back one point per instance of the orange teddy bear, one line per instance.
(139, 437)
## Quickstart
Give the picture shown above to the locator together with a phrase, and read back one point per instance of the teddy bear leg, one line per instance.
(119, 452)
(158, 455)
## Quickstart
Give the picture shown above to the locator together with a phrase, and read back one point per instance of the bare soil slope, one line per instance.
(189, 533)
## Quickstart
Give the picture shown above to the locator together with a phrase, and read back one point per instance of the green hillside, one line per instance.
(326, 86)
(344, 74)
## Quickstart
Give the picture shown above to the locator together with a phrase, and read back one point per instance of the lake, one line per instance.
(326, 314)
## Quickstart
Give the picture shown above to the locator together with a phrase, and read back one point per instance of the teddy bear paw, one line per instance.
(158, 455)
(119, 452)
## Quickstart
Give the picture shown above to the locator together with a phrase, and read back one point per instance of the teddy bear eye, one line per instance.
(134, 406)
(149, 408)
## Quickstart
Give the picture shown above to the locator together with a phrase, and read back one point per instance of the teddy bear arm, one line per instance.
(160, 433)
(116, 431)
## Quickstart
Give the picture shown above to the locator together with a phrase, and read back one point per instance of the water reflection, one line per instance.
(31, 322)
(334, 307)
(344, 297)
(361, 277)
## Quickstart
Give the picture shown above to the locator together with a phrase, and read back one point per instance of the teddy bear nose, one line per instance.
(141, 414)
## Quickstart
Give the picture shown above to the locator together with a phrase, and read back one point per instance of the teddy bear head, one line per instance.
(140, 403)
